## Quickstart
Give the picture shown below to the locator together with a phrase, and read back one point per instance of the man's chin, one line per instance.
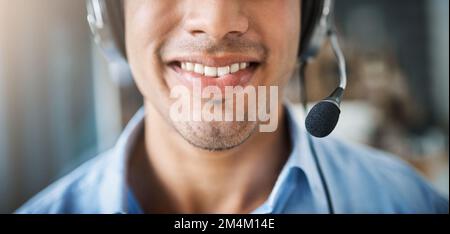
(216, 136)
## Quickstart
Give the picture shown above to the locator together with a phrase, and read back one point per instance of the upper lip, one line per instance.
(214, 61)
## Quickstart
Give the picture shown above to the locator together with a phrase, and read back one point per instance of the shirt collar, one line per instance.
(116, 187)
(300, 161)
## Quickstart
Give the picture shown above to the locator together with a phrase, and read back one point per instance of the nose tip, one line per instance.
(217, 19)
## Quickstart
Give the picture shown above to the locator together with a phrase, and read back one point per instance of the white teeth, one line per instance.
(189, 66)
(213, 71)
(223, 71)
(234, 68)
(200, 69)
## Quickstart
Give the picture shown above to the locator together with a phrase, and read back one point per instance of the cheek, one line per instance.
(147, 25)
(281, 30)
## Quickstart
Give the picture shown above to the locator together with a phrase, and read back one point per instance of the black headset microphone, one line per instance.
(323, 117)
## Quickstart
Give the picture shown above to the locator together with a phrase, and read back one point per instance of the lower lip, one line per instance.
(240, 78)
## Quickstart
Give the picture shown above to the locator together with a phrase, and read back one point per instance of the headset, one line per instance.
(106, 21)
(323, 117)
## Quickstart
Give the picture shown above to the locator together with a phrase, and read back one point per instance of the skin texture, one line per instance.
(211, 167)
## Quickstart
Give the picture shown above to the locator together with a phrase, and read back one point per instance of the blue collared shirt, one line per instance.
(360, 180)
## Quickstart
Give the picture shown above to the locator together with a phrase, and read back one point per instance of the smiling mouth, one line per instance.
(223, 71)
(204, 71)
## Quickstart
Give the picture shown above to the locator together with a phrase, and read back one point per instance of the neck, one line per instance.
(170, 175)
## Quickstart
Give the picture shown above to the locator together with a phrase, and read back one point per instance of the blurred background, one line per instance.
(61, 103)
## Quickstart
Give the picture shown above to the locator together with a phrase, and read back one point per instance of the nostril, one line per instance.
(235, 33)
(196, 32)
